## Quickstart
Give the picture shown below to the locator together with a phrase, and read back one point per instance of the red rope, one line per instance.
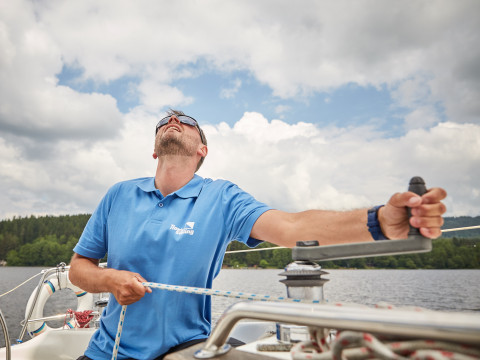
(82, 318)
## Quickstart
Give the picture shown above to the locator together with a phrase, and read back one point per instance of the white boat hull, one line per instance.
(56, 344)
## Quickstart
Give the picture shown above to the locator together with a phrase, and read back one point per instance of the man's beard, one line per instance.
(171, 145)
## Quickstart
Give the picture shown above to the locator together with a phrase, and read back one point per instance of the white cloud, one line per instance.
(294, 50)
(282, 109)
(304, 166)
(423, 117)
(154, 96)
(31, 102)
(229, 93)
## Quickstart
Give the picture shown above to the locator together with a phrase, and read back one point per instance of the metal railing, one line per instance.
(432, 325)
(3, 323)
(46, 273)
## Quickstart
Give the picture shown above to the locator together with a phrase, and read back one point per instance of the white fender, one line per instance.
(53, 283)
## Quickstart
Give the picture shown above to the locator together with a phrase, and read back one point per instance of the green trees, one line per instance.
(277, 258)
(42, 241)
(43, 251)
(49, 240)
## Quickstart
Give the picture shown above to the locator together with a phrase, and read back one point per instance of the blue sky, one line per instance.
(226, 96)
(331, 104)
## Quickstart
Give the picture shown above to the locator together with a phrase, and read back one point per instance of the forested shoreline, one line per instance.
(49, 240)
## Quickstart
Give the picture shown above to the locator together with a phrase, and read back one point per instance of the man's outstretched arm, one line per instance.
(335, 227)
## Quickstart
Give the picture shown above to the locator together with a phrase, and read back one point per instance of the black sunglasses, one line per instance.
(184, 119)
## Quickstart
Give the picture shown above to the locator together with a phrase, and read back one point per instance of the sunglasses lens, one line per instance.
(187, 120)
(183, 119)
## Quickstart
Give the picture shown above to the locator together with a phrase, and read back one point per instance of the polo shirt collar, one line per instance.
(191, 189)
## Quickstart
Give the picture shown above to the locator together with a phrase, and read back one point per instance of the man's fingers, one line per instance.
(426, 211)
(429, 210)
(129, 287)
(426, 222)
(428, 216)
(400, 200)
(140, 279)
(431, 233)
(434, 195)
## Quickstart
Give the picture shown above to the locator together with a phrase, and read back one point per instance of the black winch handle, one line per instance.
(417, 186)
(415, 243)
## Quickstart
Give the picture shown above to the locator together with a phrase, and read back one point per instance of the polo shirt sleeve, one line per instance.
(93, 241)
(241, 211)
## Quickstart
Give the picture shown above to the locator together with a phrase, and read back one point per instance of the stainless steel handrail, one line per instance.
(5, 334)
(434, 325)
(46, 273)
(56, 317)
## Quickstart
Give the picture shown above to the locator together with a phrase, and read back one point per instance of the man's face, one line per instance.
(176, 138)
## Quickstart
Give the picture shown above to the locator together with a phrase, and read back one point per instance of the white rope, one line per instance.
(119, 332)
(23, 283)
(261, 249)
(462, 228)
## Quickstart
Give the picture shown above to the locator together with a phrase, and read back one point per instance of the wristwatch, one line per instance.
(374, 225)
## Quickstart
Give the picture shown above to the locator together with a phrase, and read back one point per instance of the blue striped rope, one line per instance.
(119, 332)
(232, 294)
(201, 291)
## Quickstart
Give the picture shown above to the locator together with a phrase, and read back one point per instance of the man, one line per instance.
(174, 229)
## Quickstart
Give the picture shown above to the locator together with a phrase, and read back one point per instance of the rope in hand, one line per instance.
(200, 291)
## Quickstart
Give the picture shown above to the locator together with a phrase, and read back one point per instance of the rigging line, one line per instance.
(261, 249)
(462, 228)
(16, 287)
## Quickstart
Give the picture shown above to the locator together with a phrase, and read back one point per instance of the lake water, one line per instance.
(446, 290)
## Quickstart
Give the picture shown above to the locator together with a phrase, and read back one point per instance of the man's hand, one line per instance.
(427, 212)
(127, 287)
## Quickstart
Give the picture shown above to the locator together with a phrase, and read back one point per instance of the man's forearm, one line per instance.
(87, 275)
(327, 227)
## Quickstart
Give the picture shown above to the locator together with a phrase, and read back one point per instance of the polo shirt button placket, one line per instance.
(160, 204)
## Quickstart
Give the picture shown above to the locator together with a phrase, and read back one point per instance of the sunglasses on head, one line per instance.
(184, 119)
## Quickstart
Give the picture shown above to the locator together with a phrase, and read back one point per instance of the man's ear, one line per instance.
(202, 150)
(154, 155)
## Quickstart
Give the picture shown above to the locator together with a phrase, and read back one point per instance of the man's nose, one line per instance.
(173, 118)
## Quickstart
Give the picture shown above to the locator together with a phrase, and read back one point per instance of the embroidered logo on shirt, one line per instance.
(187, 229)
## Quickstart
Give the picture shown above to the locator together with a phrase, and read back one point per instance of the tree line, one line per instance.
(40, 241)
(49, 240)
(447, 253)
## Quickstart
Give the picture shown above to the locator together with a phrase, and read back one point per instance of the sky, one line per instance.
(305, 104)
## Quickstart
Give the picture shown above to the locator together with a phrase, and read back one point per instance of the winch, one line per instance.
(303, 281)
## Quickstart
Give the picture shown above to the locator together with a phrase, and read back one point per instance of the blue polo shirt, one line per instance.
(179, 239)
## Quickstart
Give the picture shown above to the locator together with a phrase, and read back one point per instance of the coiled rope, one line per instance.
(354, 345)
